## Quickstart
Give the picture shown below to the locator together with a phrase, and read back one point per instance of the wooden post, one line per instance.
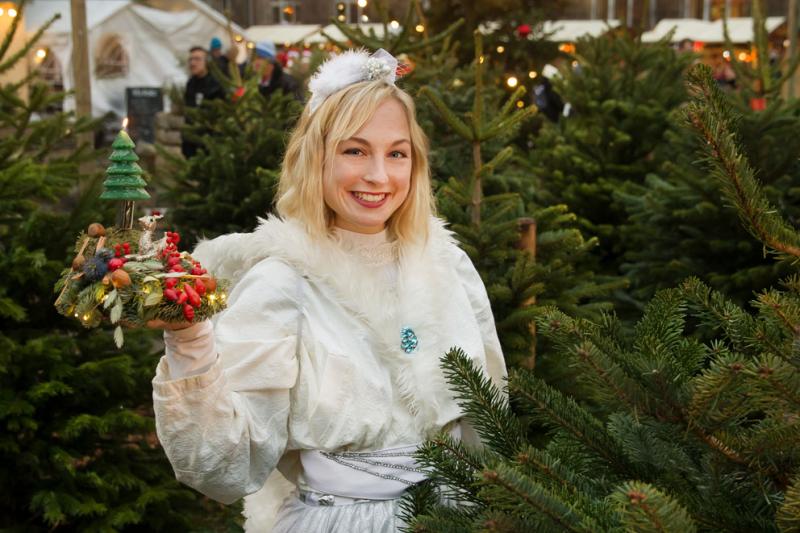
(82, 83)
(791, 28)
(527, 243)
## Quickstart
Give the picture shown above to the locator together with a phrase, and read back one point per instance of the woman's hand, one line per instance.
(171, 326)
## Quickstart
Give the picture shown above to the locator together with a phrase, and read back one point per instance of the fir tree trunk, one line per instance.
(477, 183)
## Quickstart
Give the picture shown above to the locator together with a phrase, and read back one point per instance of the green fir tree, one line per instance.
(232, 179)
(124, 180)
(620, 92)
(488, 205)
(688, 423)
(678, 225)
(77, 444)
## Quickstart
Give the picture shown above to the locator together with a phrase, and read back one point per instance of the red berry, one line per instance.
(173, 261)
(199, 287)
(170, 294)
(182, 298)
(171, 282)
(126, 247)
(188, 312)
(192, 295)
(115, 263)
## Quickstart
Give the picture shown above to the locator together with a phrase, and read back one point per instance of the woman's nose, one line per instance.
(377, 171)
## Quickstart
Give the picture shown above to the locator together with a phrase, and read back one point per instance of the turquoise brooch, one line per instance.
(408, 340)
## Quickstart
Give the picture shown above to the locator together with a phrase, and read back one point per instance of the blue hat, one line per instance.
(266, 49)
(216, 44)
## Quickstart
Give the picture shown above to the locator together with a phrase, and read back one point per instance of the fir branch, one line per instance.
(710, 116)
(531, 495)
(484, 405)
(788, 516)
(557, 410)
(641, 507)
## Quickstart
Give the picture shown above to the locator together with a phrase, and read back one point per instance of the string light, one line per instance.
(364, 18)
(520, 104)
(532, 74)
(501, 49)
(341, 18)
(512, 81)
(481, 59)
(1, 11)
(251, 45)
(238, 38)
(362, 3)
(12, 12)
(420, 28)
(212, 298)
(394, 24)
(41, 53)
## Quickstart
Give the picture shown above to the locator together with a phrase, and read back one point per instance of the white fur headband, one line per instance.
(348, 68)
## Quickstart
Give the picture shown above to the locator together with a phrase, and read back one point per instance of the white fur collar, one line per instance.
(424, 275)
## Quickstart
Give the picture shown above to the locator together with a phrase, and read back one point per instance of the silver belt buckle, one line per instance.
(326, 499)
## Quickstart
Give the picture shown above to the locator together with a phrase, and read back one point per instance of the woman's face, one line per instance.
(371, 171)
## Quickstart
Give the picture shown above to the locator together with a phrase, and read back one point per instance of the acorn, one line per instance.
(120, 278)
(78, 262)
(96, 229)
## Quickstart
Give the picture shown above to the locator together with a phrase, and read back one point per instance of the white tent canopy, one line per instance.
(303, 33)
(562, 31)
(156, 43)
(740, 30)
(572, 30)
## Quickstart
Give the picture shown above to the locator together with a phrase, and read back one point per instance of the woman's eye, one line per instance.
(354, 151)
(397, 154)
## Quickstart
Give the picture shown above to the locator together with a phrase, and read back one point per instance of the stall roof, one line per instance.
(684, 29)
(572, 30)
(307, 33)
(739, 29)
(39, 12)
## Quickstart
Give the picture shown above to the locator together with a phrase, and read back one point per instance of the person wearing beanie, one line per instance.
(222, 60)
(272, 75)
(200, 87)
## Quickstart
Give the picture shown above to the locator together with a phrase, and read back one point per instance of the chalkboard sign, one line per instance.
(143, 103)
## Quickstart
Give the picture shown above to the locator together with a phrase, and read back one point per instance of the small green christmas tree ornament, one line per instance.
(124, 181)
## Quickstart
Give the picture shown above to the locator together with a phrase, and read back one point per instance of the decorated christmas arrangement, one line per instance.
(126, 276)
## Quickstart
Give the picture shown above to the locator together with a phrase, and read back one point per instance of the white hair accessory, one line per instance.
(348, 68)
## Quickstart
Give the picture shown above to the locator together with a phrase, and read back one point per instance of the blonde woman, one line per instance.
(312, 390)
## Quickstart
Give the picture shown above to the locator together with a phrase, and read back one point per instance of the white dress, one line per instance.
(308, 356)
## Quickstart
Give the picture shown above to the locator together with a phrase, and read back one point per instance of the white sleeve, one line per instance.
(479, 299)
(225, 427)
(495, 362)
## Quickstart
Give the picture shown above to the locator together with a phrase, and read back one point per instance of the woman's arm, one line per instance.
(221, 395)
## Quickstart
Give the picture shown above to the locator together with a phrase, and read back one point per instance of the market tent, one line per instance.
(571, 30)
(561, 31)
(684, 29)
(282, 33)
(130, 44)
(739, 29)
(287, 34)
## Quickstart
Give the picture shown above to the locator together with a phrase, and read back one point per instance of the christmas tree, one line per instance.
(124, 174)
(621, 93)
(124, 180)
(526, 253)
(689, 423)
(77, 445)
(670, 213)
(232, 179)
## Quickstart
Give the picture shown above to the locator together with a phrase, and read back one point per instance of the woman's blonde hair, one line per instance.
(312, 147)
